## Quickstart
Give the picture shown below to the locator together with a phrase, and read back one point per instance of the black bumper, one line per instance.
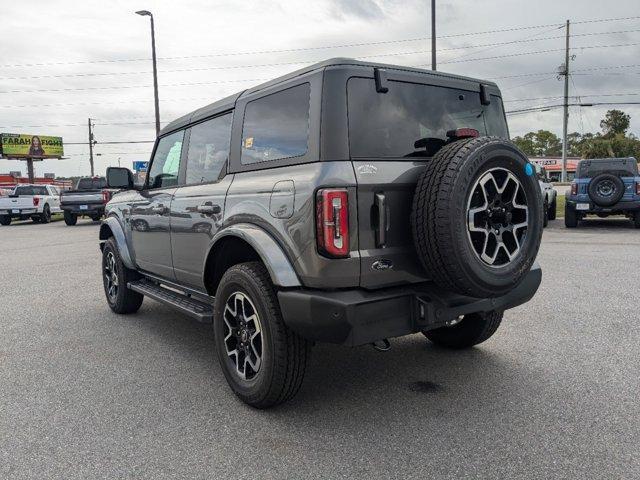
(358, 316)
(615, 208)
(92, 209)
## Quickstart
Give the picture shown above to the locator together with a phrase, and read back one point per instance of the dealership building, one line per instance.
(553, 166)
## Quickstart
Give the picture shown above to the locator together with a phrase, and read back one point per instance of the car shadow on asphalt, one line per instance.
(415, 377)
(593, 225)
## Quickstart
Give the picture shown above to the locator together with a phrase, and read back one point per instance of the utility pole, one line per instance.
(146, 13)
(565, 116)
(433, 34)
(91, 141)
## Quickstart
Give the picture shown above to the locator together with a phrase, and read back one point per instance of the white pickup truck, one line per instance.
(37, 202)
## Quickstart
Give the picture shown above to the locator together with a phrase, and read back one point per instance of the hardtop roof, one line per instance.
(228, 103)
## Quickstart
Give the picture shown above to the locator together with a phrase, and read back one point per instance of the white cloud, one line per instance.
(37, 32)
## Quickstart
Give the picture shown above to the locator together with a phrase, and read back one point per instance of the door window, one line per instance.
(208, 149)
(276, 126)
(165, 165)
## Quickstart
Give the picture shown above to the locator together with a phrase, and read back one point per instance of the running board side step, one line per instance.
(201, 311)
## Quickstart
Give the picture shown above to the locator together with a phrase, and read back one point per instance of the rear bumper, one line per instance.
(358, 316)
(18, 212)
(92, 209)
(593, 208)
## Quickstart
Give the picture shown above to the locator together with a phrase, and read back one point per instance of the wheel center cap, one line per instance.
(244, 335)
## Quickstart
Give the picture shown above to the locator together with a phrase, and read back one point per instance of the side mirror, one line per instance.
(119, 177)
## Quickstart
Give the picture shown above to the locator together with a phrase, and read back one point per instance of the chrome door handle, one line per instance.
(208, 209)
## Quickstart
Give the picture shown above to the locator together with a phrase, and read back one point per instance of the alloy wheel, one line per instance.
(111, 276)
(497, 217)
(243, 335)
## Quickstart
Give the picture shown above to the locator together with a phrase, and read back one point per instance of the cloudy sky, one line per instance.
(64, 61)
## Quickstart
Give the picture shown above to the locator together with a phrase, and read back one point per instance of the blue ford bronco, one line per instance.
(603, 187)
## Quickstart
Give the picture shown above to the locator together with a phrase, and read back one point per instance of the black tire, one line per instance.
(636, 219)
(123, 300)
(440, 227)
(284, 354)
(472, 330)
(36, 219)
(5, 220)
(570, 217)
(70, 218)
(96, 218)
(46, 214)
(614, 188)
(552, 209)
(545, 215)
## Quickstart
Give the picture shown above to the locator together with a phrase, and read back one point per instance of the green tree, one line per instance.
(615, 122)
(542, 143)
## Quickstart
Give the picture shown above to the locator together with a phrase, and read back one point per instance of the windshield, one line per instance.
(30, 190)
(92, 183)
(412, 119)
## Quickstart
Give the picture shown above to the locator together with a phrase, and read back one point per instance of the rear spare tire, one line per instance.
(477, 217)
(606, 189)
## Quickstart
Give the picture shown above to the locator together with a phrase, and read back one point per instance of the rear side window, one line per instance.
(276, 126)
(165, 165)
(412, 116)
(31, 191)
(92, 183)
(208, 149)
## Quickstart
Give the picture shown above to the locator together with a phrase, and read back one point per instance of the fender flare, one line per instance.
(111, 224)
(278, 265)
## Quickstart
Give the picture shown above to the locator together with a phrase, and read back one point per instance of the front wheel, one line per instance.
(473, 329)
(262, 359)
(545, 214)
(70, 218)
(115, 278)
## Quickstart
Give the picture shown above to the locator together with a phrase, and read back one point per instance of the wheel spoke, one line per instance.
(243, 335)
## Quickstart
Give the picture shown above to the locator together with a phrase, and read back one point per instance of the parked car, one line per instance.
(37, 202)
(346, 202)
(603, 187)
(549, 195)
(88, 199)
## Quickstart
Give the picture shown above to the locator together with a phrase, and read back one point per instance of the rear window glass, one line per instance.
(276, 126)
(29, 190)
(389, 124)
(92, 183)
(622, 168)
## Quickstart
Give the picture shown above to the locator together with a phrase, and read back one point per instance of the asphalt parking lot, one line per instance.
(85, 393)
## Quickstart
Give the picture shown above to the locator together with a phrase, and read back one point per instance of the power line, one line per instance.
(583, 104)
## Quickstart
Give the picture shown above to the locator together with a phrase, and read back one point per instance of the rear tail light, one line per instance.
(106, 196)
(36, 201)
(574, 188)
(332, 222)
(459, 133)
(637, 188)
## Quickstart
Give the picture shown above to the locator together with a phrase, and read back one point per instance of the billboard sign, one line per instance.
(20, 145)
(140, 166)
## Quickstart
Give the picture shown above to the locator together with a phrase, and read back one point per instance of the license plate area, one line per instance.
(15, 210)
(84, 207)
(582, 206)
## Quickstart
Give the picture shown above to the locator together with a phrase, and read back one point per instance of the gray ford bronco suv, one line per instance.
(346, 202)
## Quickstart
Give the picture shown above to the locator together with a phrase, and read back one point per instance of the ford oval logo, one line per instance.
(382, 264)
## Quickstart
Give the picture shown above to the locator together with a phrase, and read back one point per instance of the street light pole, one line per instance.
(146, 13)
(433, 34)
(565, 113)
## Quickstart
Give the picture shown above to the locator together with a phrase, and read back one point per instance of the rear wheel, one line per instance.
(552, 209)
(570, 217)
(70, 218)
(262, 359)
(46, 214)
(115, 278)
(636, 219)
(96, 218)
(5, 220)
(471, 330)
